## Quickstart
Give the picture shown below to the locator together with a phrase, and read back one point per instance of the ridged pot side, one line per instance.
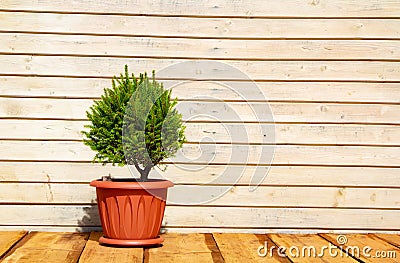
(131, 214)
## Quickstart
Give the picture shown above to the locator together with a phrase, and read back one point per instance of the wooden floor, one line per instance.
(84, 247)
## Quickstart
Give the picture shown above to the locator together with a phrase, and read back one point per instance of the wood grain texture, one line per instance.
(200, 27)
(392, 239)
(42, 129)
(221, 133)
(198, 48)
(182, 248)
(50, 247)
(263, 196)
(215, 154)
(54, 172)
(94, 252)
(227, 90)
(279, 217)
(246, 8)
(9, 239)
(374, 254)
(327, 75)
(263, 231)
(223, 247)
(256, 70)
(199, 217)
(210, 111)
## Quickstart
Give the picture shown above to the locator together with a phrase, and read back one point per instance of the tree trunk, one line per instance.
(144, 174)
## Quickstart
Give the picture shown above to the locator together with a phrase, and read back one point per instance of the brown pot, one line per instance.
(131, 212)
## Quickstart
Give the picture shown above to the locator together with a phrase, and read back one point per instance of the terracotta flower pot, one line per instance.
(131, 212)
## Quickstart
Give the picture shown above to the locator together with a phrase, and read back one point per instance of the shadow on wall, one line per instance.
(90, 221)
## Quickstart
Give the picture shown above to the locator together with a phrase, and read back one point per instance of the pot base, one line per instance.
(131, 243)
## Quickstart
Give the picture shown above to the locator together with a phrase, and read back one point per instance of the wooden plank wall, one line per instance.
(330, 70)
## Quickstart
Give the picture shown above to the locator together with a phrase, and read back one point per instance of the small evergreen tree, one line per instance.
(135, 123)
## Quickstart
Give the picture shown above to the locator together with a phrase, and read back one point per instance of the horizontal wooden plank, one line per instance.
(50, 247)
(94, 252)
(215, 154)
(294, 133)
(344, 218)
(206, 70)
(184, 248)
(200, 27)
(198, 48)
(37, 193)
(227, 90)
(67, 151)
(206, 111)
(51, 228)
(9, 239)
(197, 174)
(40, 129)
(48, 193)
(391, 239)
(177, 216)
(221, 133)
(245, 8)
(239, 154)
(38, 107)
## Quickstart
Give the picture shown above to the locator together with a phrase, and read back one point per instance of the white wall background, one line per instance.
(329, 68)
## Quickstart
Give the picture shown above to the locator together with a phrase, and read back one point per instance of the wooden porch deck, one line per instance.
(84, 247)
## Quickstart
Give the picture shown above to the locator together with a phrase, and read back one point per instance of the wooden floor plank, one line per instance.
(49, 247)
(217, 247)
(94, 252)
(182, 248)
(300, 248)
(8, 239)
(392, 239)
(379, 249)
(244, 248)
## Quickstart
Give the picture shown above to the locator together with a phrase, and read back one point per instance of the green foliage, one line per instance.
(104, 134)
(153, 129)
(134, 122)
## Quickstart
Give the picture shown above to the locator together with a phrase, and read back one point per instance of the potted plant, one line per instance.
(134, 123)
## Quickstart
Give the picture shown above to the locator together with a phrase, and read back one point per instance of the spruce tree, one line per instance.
(135, 122)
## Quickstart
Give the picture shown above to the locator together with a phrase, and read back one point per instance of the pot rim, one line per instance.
(152, 184)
